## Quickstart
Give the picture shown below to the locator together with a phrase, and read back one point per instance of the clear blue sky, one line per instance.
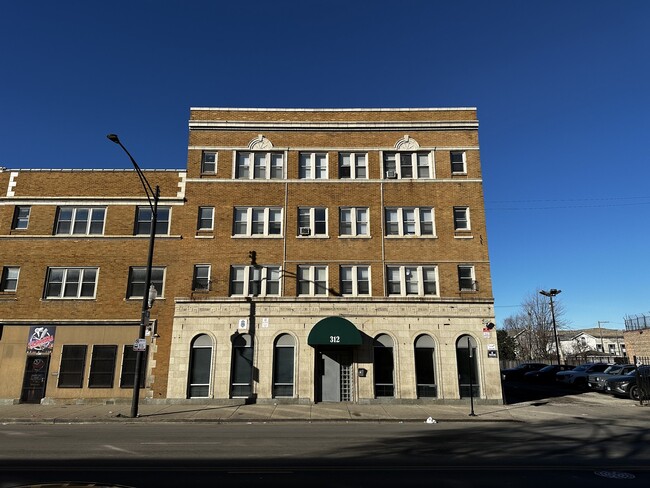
(562, 90)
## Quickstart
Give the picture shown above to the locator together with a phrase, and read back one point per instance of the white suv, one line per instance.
(580, 374)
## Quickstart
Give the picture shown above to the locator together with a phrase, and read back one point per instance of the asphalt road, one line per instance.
(581, 452)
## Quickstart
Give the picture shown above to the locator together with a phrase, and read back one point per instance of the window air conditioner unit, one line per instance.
(305, 231)
(390, 174)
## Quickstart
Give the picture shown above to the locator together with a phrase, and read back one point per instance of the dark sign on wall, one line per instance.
(41, 339)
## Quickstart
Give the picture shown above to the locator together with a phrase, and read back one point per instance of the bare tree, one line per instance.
(532, 328)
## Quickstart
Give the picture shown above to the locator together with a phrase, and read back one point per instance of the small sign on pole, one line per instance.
(140, 345)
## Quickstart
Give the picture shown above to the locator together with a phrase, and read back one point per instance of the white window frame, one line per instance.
(408, 159)
(10, 275)
(354, 165)
(402, 221)
(201, 277)
(472, 276)
(144, 217)
(247, 167)
(308, 167)
(357, 223)
(21, 217)
(209, 167)
(307, 273)
(464, 218)
(249, 212)
(405, 272)
(355, 271)
(65, 282)
(75, 220)
(463, 161)
(201, 219)
(256, 279)
(310, 213)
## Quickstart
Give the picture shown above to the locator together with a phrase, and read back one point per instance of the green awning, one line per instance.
(334, 331)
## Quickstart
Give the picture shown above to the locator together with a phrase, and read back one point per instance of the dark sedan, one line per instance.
(547, 373)
(597, 381)
(627, 385)
(519, 371)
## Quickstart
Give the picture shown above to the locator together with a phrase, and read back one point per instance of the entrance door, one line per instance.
(334, 371)
(35, 379)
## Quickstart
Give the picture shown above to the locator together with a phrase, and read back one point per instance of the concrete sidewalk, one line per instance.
(321, 412)
(571, 408)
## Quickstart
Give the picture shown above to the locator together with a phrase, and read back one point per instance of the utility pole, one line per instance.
(602, 345)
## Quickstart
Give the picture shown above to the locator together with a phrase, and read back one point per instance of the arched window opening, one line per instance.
(283, 366)
(384, 366)
(200, 367)
(466, 360)
(425, 376)
(241, 383)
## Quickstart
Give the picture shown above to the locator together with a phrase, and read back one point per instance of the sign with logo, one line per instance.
(41, 339)
(242, 324)
(140, 345)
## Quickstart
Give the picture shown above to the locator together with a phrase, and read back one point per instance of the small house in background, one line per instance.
(595, 344)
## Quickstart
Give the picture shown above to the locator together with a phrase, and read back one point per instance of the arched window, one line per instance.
(283, 366)
(425, 376)
(384, 366)
(466, 360)
(241, 383)
(200, 367)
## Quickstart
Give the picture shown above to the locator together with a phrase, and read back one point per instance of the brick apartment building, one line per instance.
(301, 256)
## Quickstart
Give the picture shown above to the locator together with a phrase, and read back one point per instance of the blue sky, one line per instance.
(562, 90)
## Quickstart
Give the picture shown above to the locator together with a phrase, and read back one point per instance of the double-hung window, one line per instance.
(461, 218)
(312, 166)
(259, 166)
(9, 281)
(205, 218)
(411, 280)
(255, 281)
(201, 279)
(407, 165)
(355, 280)
(209, 162)
(353, 221)
(71, 283)
(458, 162)
(80, 221)
(312, 221)
(409, 221)
(137, 278)
(21, 218)
(466, 278)
(257, 221)
(312, 280)
(144, 217)
(353, 165)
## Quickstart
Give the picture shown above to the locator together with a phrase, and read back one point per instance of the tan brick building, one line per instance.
(302, 256)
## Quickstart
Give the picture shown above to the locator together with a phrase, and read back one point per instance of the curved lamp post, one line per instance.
(551, 293)
(149, 295)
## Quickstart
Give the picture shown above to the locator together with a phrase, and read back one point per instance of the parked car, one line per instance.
(547, 373)
(518, 372)
(627, 385)
(578, 376)
(597, 381)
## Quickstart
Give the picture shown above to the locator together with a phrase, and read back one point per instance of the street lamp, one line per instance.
(149, 292)
(551, 293)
